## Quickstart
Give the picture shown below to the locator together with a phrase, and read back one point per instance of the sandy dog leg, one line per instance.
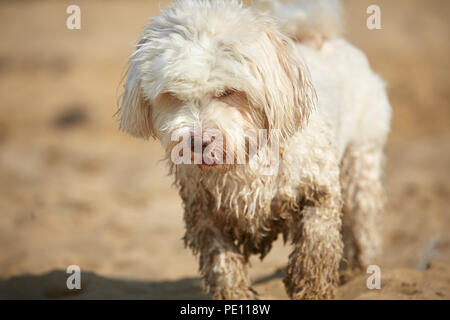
(312, 271)
(363, 200)
(222, 266)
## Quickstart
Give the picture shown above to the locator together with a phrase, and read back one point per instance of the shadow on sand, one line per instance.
(52, 285)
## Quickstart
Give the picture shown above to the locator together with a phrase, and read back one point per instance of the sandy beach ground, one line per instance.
(76, 191)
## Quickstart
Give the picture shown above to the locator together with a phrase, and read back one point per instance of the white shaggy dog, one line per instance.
(230, 69)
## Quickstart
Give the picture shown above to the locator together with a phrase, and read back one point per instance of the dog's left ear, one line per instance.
(135, 113)
(290, 96)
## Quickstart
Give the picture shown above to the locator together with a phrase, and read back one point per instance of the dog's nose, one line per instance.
(201, 140)
(196, 140)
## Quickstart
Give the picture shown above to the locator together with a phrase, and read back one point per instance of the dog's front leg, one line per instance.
(222, 266)
(312, 271)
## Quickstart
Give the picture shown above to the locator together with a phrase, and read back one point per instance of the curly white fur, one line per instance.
(231, 69)
(305, 19)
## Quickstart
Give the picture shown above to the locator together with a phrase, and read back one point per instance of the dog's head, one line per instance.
(208, 67)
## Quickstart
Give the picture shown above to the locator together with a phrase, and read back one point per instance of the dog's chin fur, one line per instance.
(230, 69)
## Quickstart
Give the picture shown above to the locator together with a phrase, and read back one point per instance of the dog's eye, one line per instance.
(168, 97)
(169, 94)
(224, 93)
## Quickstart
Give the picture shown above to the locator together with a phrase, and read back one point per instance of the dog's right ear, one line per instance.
(135, 113)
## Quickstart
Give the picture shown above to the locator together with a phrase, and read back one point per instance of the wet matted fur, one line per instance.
(232, 69)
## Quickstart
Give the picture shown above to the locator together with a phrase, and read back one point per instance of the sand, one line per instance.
(76, 191)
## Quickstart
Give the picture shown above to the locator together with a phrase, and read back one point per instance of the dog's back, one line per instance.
(305, 20)
(351, 97)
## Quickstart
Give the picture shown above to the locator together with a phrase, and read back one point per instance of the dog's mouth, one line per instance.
(209, 162)
(204, 164)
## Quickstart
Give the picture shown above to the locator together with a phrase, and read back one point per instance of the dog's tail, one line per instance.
(305, 20)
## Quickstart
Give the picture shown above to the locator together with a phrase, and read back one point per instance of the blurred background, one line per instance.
(75, 190)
